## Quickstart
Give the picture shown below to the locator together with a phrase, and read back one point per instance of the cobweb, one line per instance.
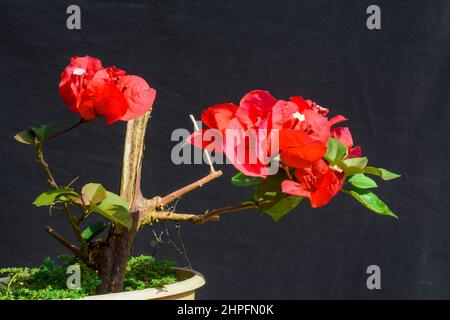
(164, 236)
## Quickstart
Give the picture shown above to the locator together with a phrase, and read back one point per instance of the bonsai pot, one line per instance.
(188, 282)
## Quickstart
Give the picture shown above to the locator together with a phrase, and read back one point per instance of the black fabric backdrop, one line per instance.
(391, 83)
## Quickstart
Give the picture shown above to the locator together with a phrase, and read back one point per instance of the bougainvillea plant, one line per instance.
(285, 150)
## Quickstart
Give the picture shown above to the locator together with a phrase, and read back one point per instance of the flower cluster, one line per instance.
(316, 156)
(91, 90)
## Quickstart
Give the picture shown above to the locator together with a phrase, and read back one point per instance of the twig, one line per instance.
(286, 170)
(70, 216)
(44, 165)
(73, 220)
(73, 181)
(73, 248)
(217, 212)
(79, 123)
(208, 158)
(197, 184)
(152, 215)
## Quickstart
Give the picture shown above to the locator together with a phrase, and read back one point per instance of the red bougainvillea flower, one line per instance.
(243, 132)
(303, 130)
(298, 149)
(91, 91)
(318, 182)
(300, 128)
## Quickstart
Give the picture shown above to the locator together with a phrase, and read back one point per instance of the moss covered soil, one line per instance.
(49, 281)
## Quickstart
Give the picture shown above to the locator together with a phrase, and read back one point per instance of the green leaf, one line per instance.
(269, 190)
(93, 193)
(26, 137)
(50, 197)
(241, 180)
(44, 131)
(282, 207)
(349, 170)
(371, 201)
(114, 208)
(383, 173)
(335, 150)
(270, 198)
(357, 162)
(94, 230)
(361, 181)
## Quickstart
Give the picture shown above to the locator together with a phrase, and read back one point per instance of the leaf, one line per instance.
(371, 201)
(94, 230)
(93, 193)
(44, 131)
(283, 206)
(271, 200)
(26, 137)
(269, 190)
(361, 181)
(349, 170)
(114, 208)
(50, 197)
(335, 150)
(357, 162)
(241, 180)
(383, 173)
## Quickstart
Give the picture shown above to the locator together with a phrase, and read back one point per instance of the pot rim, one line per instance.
(190, 280)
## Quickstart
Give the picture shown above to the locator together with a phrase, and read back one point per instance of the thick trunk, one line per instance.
(111, 257)
(112, 261)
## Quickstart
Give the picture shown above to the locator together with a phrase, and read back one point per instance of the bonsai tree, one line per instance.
(285, 150)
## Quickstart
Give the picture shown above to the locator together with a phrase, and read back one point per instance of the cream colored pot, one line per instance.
(188, 281)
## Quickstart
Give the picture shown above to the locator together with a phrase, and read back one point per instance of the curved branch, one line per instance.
(181, 192)
(73, 248)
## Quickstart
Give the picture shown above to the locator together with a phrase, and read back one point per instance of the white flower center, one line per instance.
(299, 116)
(79, 71)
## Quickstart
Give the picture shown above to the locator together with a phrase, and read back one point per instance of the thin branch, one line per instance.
(286, 170)
(44, 165)
(181, 192)
(70, 216)
(73, 181)
(217, 212)
(73, 248)
(73, 220)
(79, 123)
(152, 216)
(208, 158)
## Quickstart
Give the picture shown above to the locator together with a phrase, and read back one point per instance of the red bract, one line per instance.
(300, 127)
(91, 91)
(318, 182)
(243, 132)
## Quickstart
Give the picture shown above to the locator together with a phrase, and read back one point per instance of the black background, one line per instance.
(392, 84)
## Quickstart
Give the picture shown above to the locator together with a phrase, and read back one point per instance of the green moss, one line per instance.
(49, 280)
